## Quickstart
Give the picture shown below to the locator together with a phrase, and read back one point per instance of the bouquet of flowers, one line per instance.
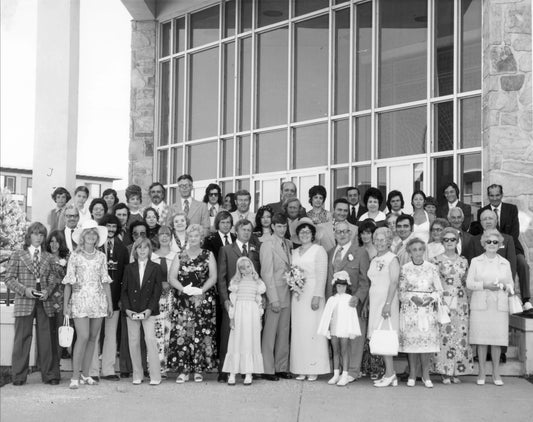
(296, 280)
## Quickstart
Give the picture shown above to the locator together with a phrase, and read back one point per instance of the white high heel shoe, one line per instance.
(385, 382)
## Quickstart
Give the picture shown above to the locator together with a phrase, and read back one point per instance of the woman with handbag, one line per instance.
(383, 273)
(490, 279)
(420, 291)
(455, 357)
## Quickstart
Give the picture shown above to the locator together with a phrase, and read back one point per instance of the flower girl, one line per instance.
(340, 323)
(244, 345)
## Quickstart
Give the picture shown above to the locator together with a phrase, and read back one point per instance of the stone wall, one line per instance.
(142, 104)
(507, 106)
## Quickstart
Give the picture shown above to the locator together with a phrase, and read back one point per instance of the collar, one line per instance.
(209, 206)
(222, 236)
(453, 204)
(188, 199)
(345, 247)
(31, 250)
(159, 206)
(499, 207)
(239, 244)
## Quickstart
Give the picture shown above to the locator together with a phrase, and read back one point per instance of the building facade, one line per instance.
(404, 95)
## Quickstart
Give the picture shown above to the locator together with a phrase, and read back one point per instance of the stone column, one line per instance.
(142, 108)
(56, 102)
(507, 107)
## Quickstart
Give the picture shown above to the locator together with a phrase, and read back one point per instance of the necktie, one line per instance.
(285, 249)
(352, 216)
(241, 217)
(497, 212)
(110, 249)
(36, 270)
(337, 259)
(212, 212)
(74, 244)
(226, 242)
(244, 250)
(186, 206)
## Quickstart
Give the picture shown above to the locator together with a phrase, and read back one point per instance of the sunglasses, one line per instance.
(213, 194)
(449, 239)
(494, 242)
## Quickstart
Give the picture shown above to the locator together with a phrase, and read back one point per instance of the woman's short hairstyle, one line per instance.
(138, 223)
(113, 192)
(437, 222)
(81, 243)
(134, 190)
(285, 205)
(413, 241)
(111, 219)
(196, 228)
(317, 190)
(59, 236)
(450, 230)
(310, 227)
(373, 193)
(142, 241)
(59, 191)
(387, 232)
(147, 210)
(35, 227)
(367, 225)
(432, 201)
(260, 213)
(233, 201)
(97, 201)
(187, 221)
(222, 215)
(209, 188)
(418, 192)
(491, 232)
(82, 189)
(392, 194)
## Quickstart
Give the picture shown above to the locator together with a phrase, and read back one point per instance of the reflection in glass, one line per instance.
(272, 84)
(163, 166)
(203, 104)
(363, 56)
(442, 174)
(443, 124)
(229, 87)
(342, 61)
(471, 45)
(204, 26)
(311, 68)
(226, 157)
(271, 11)
(310, 146)
(165, 103)
(363, 139)
(418, 176)
(246, 16)
(362, 178)
(470, 122)
(179, 41)
(176, 164)
(341, 144)
(470, 186)
(402, 132)
(202, 160)
(340, 181)
(166, 30)
(270, 151)
(245, 83)
(229, 18)
(443, 47)
(242, 184)
(172, 195)
(226, 186)
(301, 7)
(382, 181)
(178, 99)
(243, 155)
(403, 51)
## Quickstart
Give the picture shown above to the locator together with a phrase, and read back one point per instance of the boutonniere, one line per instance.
(62, 262)
(252, 249)
(380, 265)
(350, 257)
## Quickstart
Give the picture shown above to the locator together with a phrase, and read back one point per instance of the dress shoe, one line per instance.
(411, 382)
(111, 377)
(284, 375)
(19, 383)
(270, 377)
(480, 381)
(125, 375)
(54, 381)
(386, 381)
(137, 382)
(74, 384)
(300, 378)
(96, 378)
(335, 379)
(312, 378)
(427, 383)
(231, 379)
(351, 379)
(222, 377)
(248, 379)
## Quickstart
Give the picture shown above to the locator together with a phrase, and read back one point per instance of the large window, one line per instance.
(342, 88)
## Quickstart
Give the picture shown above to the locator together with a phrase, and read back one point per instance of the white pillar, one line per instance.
(56, 102)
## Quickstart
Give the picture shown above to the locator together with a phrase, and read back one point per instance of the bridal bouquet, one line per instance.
(296, 280)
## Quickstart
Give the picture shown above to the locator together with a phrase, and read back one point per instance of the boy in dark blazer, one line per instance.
(141, 290)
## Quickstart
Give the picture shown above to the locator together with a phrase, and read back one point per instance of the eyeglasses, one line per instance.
(342, 231)
(72, 215)
(305, 231)
(449, 239)
(213, 194)
(184, 186)
(494, 242)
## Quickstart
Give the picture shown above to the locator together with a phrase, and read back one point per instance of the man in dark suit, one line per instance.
(451, 193)
(508, 223)
(356, 210)
(31, 276)
(287, 191)
(395, 202)
(227, 266)
(348, 256)
(456, 218)
(117, 259)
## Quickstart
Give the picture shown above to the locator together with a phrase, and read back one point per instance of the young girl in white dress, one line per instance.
(244, 345)
(339, 322)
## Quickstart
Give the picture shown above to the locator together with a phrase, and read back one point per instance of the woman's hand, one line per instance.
(110, 312)
(315, 303)
(489, 285)
(385, 312)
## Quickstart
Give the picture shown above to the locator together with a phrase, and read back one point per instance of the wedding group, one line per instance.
(181, 290)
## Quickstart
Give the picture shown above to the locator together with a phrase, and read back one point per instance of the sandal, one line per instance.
(74, 384)
(198, 378)
(182, 378)
(87, 380)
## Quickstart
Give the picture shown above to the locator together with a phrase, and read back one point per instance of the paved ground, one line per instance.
(267, 401)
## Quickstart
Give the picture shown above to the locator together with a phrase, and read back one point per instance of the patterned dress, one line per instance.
(87, 277)
(455, 357)
(419, 329)
(319, 217)
(192, 337)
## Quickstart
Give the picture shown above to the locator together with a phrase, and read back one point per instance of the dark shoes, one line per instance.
(96, 378)
(19, 383)
(284, 375)
(111, 377)
(54, 381)
(222, 377)
(270, 377)
(125, 375)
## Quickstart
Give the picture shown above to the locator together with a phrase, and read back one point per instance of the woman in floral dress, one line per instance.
(455, 356)
(192, 337)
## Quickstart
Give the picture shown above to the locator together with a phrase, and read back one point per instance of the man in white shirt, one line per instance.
(243, 199)
(72, 218)
(356, 209)
(325, 235)
(213, 200)
(158, 194)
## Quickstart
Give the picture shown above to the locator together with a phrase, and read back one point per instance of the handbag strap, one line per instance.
(66, 321)
(382, 320)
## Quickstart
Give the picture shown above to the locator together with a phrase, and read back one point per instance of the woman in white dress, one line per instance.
(422, 219)
(373, 200)
(309, 350)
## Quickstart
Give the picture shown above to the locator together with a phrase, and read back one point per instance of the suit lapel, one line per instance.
(344, 261)
(147, 273)
(26, 258)
(278, 249)
(236, 249)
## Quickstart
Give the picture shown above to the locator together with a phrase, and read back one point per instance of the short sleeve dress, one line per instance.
(87, 277)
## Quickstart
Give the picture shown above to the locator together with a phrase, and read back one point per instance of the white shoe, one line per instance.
(137, 382)
(74, 384)
(248, 379)
(335, 379)
(350, 378)
(312, 378)
(527, 306)
(343, 381)
(300, 378)
(155, 382)
(231, 379)
(182, 378)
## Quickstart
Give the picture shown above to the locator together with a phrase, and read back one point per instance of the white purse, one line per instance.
(384, 342)
(66, 333)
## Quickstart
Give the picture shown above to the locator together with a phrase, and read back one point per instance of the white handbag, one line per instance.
(515, 305)
(66, 333)
(384, 342)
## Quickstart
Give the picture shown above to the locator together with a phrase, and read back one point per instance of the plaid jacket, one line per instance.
(19, 276)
